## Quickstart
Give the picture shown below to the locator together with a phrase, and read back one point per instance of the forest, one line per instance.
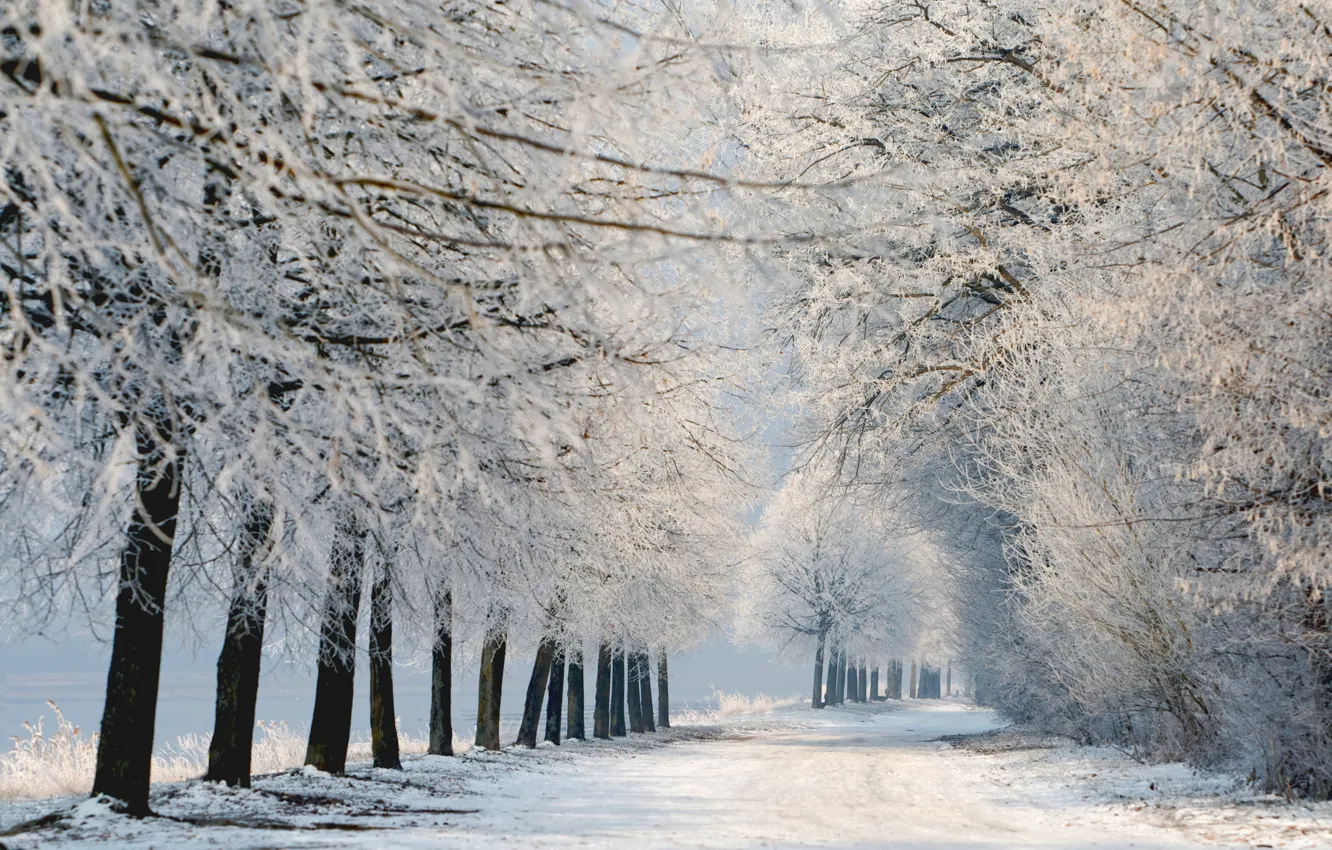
(887, 333)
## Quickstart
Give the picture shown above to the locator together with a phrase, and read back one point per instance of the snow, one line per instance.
(858, 776)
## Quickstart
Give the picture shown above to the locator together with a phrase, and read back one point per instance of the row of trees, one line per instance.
(1076, 335)
(304, 300)
(847, 680)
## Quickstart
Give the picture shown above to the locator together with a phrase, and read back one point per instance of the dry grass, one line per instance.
(734, 705)
(62, 761)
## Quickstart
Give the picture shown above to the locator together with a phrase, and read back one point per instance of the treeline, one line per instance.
(1077, 337)
(344, 330)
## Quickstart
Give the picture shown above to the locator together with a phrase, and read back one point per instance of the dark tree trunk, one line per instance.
(830, 693)
(489, 691)
(330, 726)
(816, 700)
(383, 718)
(441, 679)
(645, 686)
(852, 686)
(536, 691)
(874, 685)
(863, 678)
(125, 746)
(912, 681)
(574, 727)
(663, 693)
(242, 651)
(634, 682)
(617, 694)
(948, 679)
(555, 698)
(601, 709)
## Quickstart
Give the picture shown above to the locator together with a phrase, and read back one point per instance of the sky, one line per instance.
(73, 675)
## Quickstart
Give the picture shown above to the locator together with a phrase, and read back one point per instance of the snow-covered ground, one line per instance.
(853, 777)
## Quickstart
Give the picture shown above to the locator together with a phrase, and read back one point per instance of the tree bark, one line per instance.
(948, 680)
(912, 681)
(555, 698)
(617, 694)
(816, 700)
(634, 682)
(853, 681)
(441, 679)
(239, 661)
(645, 684)
(125, 746)
(830, 692)
(574, 725)
(601, 710)
(383, 718)
(536, 691)
(330, 726)
(663, 693)
(489, 691)
(862, 677)
(874, 685)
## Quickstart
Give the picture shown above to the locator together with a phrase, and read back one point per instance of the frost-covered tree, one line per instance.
(827, 577)
(1073, 333)
(286, 283)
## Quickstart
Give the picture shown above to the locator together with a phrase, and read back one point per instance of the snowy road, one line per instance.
(853, 780)
(856, 777)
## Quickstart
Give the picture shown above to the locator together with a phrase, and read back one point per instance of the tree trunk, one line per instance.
(948, 680)
(330, 726)
(816, 701)
(239, 661)
(853, 682)
(489, 691)
(536, 691)
(645, 685)
(555, 698)
(634, 681)
(574, 725)
(601, 709)
(830, 692)
(383, 719)
(874, 685)
(663, 693)
(125, 746)
(441, 679)
(912, 681)
(617, 694)
(862, 676)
